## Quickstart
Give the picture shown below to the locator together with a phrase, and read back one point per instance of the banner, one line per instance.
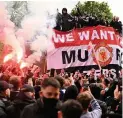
(85, 35)
(73, 49)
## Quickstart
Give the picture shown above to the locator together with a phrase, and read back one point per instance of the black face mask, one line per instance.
(49, 102)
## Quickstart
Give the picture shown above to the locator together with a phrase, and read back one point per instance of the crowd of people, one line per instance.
(26, 93)
(66, 22)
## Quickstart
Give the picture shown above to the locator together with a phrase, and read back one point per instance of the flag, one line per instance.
(90, 47)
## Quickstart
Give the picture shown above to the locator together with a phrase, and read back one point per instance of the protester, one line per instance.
(5, 92)
(37, 88)
(24, 97)
(78, 80)
(108, 89)
(70, 109)
(48, 105)
(70, 93)
(29, 78)
(51, 87)
(92, 78)
(4, 95)
(50, 90)
(86, 99)
(16, 82)
(116, 105)
(62, 89)
(95, 90)
(67, 82)
(115, 23)
(66, 22)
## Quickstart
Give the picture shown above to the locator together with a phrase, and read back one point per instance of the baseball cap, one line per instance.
(4, 85)
(27, 88)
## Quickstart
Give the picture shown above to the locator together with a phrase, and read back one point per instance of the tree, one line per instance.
(99, 9)
(17, 10)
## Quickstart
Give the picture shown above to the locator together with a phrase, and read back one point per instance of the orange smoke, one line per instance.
(7, 58)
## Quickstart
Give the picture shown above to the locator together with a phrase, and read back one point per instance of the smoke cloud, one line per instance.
(37, 29)
(7, 34)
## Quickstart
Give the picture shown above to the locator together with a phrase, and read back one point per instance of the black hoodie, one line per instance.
(71, 93)
(2, 110)
(37, 110)
(14, 111)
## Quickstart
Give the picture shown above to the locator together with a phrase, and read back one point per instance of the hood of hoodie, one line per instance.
(22, 100)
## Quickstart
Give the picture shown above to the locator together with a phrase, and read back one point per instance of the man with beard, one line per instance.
(48, 104)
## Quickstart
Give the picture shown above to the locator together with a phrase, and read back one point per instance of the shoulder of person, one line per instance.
(102, 104)
(58, 105)
(3, 114)
(2, 104)
(29, 108)
(2, 110)
(28, 111)
(37, 106)
(86, 115)
(10, 108)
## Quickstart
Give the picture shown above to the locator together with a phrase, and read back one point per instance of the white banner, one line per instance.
(73, 56)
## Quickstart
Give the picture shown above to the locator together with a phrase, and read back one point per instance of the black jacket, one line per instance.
(110, 92)
(103, 106)
(116, 106)
(71, 93)
(2, 110)
(37, 110)
(37, 90)
(14, 111)
(13, 95)
(5, 100)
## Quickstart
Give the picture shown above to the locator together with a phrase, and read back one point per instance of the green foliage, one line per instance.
(99, 9)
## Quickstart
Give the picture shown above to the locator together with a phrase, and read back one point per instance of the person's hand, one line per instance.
(116, 93)
(71, 74)
(89, 92)
(102, 92)
(79, 75)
